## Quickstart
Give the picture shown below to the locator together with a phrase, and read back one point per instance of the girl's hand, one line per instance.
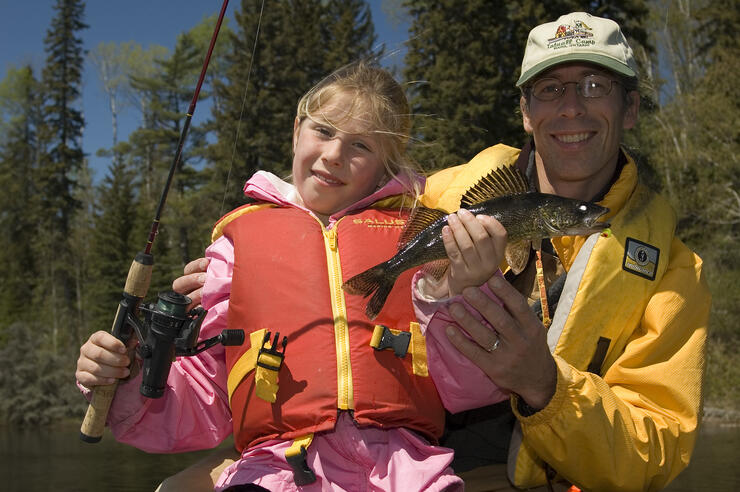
(103, 359)
(191, 283)
(475, 246)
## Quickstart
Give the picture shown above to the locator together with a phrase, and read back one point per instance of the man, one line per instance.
(609, 396)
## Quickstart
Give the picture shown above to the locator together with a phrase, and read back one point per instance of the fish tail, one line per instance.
(376, 281)
(365, 283)
(378, 300)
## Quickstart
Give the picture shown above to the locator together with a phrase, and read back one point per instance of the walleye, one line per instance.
(527, 216)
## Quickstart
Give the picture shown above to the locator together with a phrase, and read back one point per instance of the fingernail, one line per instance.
(450, 331)
(497, 282)
(452, 218)
(202, 278)
(457, 311)
(465, 212)
(472, 293)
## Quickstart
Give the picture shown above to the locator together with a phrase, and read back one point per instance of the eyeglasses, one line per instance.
(591, 86)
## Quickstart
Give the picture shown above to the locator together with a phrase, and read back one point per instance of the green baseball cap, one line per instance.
(577, 36)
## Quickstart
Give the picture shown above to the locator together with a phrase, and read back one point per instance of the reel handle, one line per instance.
(137, 285)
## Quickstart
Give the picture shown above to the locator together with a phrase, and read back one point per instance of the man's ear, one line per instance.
(296, 131)
(632, 110)
(526, 122)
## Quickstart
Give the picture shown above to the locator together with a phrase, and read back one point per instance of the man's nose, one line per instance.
(572, 104)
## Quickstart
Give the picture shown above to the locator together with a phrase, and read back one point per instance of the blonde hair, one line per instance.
(378, 100)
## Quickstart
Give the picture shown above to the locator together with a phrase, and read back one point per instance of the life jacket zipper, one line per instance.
(345, 396)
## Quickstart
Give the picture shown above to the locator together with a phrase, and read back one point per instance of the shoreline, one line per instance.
(721, 416)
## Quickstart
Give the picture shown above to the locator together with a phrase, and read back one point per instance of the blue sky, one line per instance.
(23, 26)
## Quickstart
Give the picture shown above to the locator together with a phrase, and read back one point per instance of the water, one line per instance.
(54, 459)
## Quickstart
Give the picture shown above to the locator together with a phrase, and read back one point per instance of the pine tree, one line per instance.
(113, 244)
(20, 115)
(348, 33)
(60, 161)
(165, 96)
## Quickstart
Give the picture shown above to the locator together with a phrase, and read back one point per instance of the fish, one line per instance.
(528, 217)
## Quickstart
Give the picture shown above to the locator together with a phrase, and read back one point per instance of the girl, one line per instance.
(327, 410)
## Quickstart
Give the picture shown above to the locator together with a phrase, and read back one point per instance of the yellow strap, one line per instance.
(246, 362)
(543, 291)
(298, 443)
(266, 380)
(418, 347)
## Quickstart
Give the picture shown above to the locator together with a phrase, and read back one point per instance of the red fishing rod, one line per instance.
(140, 273)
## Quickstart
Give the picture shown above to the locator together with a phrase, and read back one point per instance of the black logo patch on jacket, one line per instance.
(640, 258)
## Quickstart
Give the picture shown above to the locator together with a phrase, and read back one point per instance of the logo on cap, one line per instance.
(569, 35)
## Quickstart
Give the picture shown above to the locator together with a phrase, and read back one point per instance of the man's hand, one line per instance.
(517, 357)
(191, 283)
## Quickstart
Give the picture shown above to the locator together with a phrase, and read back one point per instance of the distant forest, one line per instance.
(68, 243)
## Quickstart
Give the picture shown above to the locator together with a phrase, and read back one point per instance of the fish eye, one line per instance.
(582, 207)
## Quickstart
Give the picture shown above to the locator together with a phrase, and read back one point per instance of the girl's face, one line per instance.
(332, 169)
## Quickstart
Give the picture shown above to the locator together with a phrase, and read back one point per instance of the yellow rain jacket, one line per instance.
(628, 339)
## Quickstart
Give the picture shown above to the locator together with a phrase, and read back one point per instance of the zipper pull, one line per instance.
(331, 236)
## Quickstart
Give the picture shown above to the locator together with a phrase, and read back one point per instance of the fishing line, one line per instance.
(241, 112)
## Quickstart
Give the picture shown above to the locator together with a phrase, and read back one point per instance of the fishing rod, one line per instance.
(168, 330)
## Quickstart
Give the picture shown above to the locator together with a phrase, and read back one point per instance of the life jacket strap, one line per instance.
(385, 338)
(266, 363)
(296, 458)
(403, 342)
(269, 361)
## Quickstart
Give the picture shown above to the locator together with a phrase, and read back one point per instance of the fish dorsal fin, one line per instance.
(506, 180)
(418, 220)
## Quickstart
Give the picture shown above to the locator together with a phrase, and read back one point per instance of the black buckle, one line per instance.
(399, 343)
(272, 350)
(302, 473)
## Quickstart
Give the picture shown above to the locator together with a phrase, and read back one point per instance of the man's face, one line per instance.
(576, 138)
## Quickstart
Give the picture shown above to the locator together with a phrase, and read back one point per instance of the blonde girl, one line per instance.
(327, 411)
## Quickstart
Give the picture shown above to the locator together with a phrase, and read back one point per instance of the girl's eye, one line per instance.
(361, 145)
(323, 130)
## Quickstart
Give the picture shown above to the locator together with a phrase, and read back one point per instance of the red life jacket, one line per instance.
(288, 271)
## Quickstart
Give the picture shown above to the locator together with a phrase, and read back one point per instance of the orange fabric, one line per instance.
(280, 283)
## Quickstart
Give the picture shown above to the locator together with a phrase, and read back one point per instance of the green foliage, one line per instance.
(34, 381)
(20, 114)
(463, 62)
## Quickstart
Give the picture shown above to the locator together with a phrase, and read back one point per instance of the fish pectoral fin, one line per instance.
(419, 219)
(436, 268)
(517, 255)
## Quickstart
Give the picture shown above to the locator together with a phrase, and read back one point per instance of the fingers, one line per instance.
(191, 283)
(484, 336)
(513, 300)
(196, 266)
(103, 359)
